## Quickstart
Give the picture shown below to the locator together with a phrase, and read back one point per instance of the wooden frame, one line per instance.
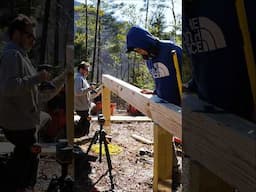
(167, 119)
(166, 115)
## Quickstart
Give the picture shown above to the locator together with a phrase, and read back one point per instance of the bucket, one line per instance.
(112, 107)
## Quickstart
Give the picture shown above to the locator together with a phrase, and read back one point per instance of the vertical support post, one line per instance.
(201, 179)
(106, 108)
(69, 86)
(70, 96)
(163, 156)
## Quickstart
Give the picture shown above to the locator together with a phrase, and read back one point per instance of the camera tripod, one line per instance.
(101, 136)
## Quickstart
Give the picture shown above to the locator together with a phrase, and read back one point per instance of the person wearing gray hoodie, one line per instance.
(19, 103)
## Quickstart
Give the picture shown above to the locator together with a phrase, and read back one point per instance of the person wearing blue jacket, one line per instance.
(158, 56)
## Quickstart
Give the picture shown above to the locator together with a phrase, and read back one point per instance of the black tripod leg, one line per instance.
(100, 142)
(108, 160)
(94, 139)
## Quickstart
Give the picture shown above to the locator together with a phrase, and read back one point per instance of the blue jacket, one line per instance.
(160, 63)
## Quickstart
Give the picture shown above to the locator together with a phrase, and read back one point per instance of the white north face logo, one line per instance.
(159, 70)
(205, 36)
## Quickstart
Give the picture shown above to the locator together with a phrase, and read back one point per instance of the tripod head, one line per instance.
(101, 119)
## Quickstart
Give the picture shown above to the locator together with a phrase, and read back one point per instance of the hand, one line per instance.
(43, 75)
(147, 91)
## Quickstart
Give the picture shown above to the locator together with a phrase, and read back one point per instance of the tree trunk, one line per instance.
(95, 40)
(98, 54)
(56, 43)
(44, 31)
(86, 31)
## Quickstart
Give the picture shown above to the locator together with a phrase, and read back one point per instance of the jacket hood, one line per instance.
(138, 37)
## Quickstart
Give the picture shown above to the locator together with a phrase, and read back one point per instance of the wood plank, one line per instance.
(167, 115)
(201, 180)
(163, 157)
(142, 139)
(223, 143)
(122, 118)
(165, 186)
(106, 100)
(69, 86)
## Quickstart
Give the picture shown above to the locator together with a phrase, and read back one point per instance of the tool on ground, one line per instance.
(64, 156)
(100, 135)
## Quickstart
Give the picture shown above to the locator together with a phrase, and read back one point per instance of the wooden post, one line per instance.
(106, 108)
(163, 157)
(70, 96)
(69, 86)
(201, 179)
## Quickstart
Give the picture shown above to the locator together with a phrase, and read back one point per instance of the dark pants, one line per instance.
(83, 124)
(22, 168)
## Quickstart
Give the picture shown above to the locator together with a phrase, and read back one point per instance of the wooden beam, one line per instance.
(223, 143)
(163, 157)
(106, 100)
(166, 115)
(201, 179)
(142, 139)
(69, 85)
(126, 119)
(165, 186)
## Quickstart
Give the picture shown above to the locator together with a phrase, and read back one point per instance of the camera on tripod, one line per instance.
(101, 119)
(100, 136)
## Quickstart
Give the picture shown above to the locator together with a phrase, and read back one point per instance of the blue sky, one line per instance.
(139, 3)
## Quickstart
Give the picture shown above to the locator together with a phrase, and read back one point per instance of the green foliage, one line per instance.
(143, 78)
(113, 38)
(157, 23)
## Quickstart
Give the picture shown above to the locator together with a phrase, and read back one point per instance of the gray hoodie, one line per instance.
(19, 103)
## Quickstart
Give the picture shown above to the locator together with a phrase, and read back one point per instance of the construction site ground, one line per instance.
(132, 166)
(131, 170)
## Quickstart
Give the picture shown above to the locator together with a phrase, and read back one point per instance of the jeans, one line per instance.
(83, 124)
(22, 168)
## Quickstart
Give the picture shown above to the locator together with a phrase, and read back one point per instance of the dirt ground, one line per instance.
(131, 171)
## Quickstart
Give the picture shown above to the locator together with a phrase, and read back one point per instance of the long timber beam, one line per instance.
(166, 115)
